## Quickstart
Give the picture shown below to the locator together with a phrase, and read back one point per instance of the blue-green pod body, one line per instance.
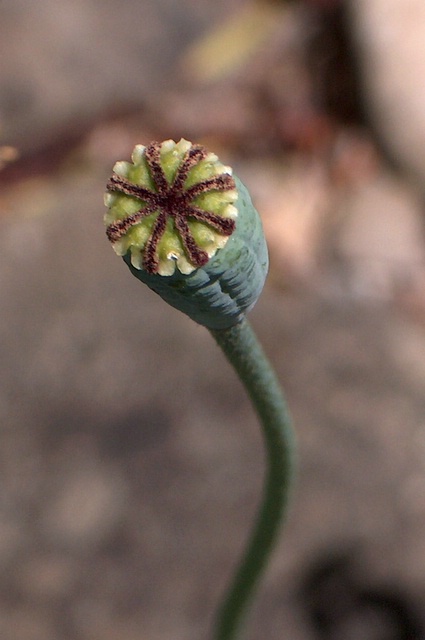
(218, 294)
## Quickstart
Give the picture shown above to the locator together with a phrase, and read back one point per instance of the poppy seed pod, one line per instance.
(187, 228)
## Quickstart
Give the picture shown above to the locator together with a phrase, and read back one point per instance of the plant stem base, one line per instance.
(241, 347)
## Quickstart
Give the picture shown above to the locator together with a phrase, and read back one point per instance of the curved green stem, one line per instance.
(244, 352)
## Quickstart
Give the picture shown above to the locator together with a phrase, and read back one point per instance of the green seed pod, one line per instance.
(187, 228)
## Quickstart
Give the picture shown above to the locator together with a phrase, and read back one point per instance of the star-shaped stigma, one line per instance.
(172, 200)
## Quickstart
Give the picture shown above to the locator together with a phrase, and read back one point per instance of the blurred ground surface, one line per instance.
(130, 466)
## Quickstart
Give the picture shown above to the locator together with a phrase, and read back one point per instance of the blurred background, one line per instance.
(131, 464)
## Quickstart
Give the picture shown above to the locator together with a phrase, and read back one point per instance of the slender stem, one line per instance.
(244, 352)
